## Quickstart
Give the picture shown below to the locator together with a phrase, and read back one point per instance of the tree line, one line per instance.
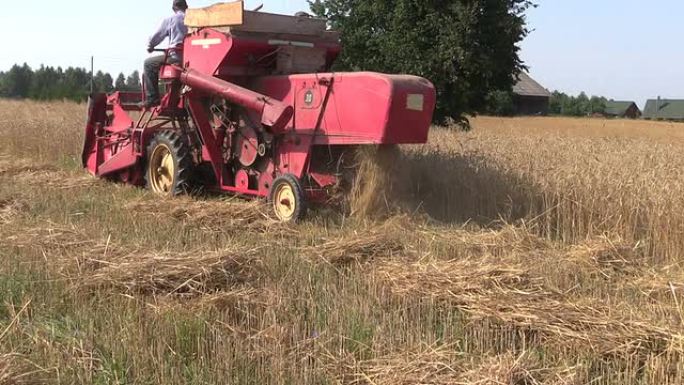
(50, 83)
(581, 105)
(502, 103)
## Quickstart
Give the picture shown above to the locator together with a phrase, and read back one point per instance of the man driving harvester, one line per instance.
(174, 28)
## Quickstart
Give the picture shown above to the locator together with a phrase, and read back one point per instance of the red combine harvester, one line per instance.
(253, 111)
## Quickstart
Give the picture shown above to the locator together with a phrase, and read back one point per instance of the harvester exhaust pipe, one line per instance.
(274, 114)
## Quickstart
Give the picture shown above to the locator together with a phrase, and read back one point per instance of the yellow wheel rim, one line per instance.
(162, 170)
(284, 202)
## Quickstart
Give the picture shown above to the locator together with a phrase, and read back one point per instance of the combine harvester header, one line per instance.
(253, 110)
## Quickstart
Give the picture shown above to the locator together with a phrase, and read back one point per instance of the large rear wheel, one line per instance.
(169, 164)
(287, 199)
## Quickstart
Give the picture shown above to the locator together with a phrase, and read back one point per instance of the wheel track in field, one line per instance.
(42, 174)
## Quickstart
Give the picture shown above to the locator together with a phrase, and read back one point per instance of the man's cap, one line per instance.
(180, 4)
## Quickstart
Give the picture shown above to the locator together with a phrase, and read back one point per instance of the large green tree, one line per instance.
(467, 48)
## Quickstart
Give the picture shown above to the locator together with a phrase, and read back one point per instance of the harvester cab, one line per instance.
(252, 110)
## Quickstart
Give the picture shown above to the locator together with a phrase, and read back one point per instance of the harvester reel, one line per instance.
(169, 164)
(287, 199)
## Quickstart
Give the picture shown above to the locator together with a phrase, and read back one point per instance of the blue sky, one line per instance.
(623, 49)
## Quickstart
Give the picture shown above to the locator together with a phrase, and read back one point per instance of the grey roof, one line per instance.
(527, 86)
(618, 108)
(664, 109)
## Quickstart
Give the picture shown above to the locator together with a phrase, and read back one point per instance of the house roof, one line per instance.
(527, 86)
(664, 109)
(618, 108)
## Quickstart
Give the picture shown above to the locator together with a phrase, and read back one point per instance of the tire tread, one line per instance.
(181, 154)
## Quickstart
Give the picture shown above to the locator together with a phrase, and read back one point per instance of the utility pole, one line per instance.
(92, 75)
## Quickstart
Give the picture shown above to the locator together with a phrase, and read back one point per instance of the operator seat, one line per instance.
(169, 72)
(169, 79)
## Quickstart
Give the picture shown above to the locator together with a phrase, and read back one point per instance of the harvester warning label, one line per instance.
(205, 43)
(415, 102)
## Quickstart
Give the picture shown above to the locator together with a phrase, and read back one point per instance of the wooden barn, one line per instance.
(664, 109)
(529, 97)
(622, 109)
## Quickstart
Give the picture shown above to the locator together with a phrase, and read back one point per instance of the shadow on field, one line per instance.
(460, 188)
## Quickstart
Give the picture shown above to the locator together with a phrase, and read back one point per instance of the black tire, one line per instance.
(293, 211)
(183, 166)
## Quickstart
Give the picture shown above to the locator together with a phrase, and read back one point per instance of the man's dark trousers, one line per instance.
(151, 76)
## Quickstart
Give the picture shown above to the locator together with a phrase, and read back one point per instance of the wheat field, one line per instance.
(527, 251)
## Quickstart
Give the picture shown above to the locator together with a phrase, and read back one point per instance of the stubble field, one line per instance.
(528, 251)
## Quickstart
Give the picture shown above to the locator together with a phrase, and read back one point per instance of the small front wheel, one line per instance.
(287, 199)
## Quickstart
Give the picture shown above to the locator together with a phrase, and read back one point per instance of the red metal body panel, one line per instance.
(122, 159)
(362, 108)
(216, 53)
(205, 50)
(97, 113)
